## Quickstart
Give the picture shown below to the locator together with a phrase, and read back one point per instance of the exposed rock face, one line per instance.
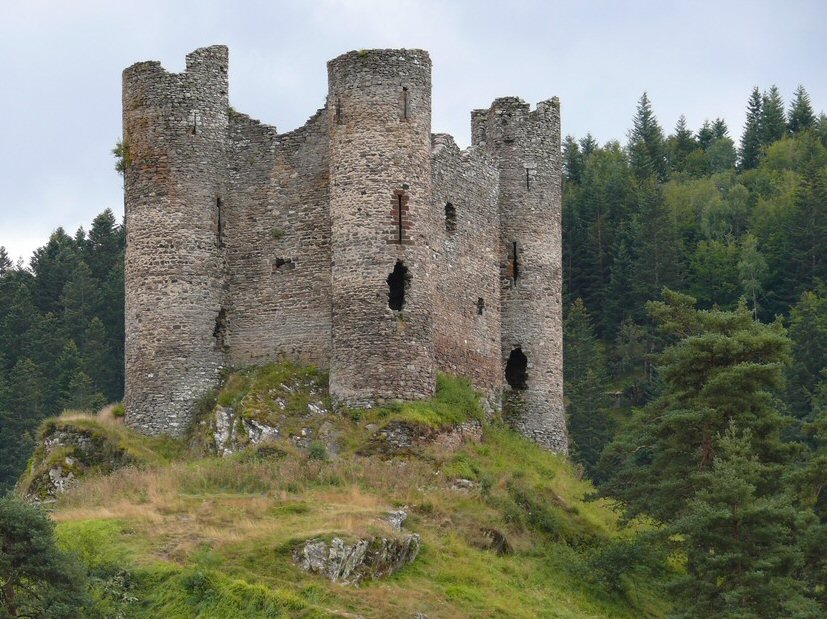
(232, 432)
(66, 453)
(366, 558)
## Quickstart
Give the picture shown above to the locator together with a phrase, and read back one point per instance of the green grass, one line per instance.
(212, 537)
(455, 402)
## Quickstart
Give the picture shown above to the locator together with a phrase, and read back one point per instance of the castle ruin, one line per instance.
(360, 242)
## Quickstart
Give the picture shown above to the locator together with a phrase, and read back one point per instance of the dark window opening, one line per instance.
(404, 102)
(527, 180)
(398, 282)
(399, 217)
(480, 306)
(338, 110)
(219, 208)
(284, 264)
(450, 217)
(194, 123)
(515, 263)
(516, 369)
(220, 329)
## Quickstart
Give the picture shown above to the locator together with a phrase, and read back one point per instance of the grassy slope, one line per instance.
(212, 537)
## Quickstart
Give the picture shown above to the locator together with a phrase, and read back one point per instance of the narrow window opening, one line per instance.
(219, 214)
(516, 369)
(194, 122)
(480, 306)
(515, 263)
(399, 217)
(450, 217)
(338, 110)
(527, 180)
(405, 102)
(220, 329)
(398, 282)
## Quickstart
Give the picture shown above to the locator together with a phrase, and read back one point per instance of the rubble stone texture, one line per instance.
(359, 242)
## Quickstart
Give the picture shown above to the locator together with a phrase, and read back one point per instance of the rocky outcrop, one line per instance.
(66, 453)
(367, 558)
(402, 437)
(232, 432)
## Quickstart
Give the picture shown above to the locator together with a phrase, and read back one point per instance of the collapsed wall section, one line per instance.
(466, 227)
(277, 239)
(175, 129)
(379, 111)
(526, 145)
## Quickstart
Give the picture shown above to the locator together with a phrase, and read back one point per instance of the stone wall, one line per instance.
(526, 145)
(277, 239)
(358, 242)
(175, 128)
(466, 235)
(379, 105)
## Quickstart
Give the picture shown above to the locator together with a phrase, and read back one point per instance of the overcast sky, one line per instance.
(61, 63)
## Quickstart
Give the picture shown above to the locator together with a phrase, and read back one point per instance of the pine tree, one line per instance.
(808, 332)
(74, 387)
(20, 414)
(773, 119)
(36, 578)
(807, 234)
(706, 134)
(5, 261)
(588, 145)
(656, 244)
(81, 301)
(742, 542)
(680, 145)
(647, 151)
(572, 161)
(801, 116)
(17, 313)
(721, 368)
(103, 246)
(52, 266)
(750, 150)
(621, 301)
(719, 129)
(585, 384)
(97, 361)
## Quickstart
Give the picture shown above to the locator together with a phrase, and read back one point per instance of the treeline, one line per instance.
(694, 213)
(61, 334)
(696, 351)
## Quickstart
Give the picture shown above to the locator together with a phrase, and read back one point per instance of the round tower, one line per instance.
(526, 145)
(379, 104)
(175, 131)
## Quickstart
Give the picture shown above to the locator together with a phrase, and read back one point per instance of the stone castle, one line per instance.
(361, 242)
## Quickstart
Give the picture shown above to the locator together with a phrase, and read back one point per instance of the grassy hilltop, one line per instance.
(179, 532)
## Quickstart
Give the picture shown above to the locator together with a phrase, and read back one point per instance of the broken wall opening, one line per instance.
(398, 282)
(516, 369)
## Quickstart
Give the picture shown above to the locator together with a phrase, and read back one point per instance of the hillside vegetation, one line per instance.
(178, 535)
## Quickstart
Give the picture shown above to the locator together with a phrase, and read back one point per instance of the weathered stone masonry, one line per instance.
(359, 242)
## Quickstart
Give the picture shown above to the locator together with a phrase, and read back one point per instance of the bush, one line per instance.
(38, 580)
(318, 451)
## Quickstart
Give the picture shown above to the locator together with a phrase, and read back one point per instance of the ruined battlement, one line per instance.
(360, 242)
